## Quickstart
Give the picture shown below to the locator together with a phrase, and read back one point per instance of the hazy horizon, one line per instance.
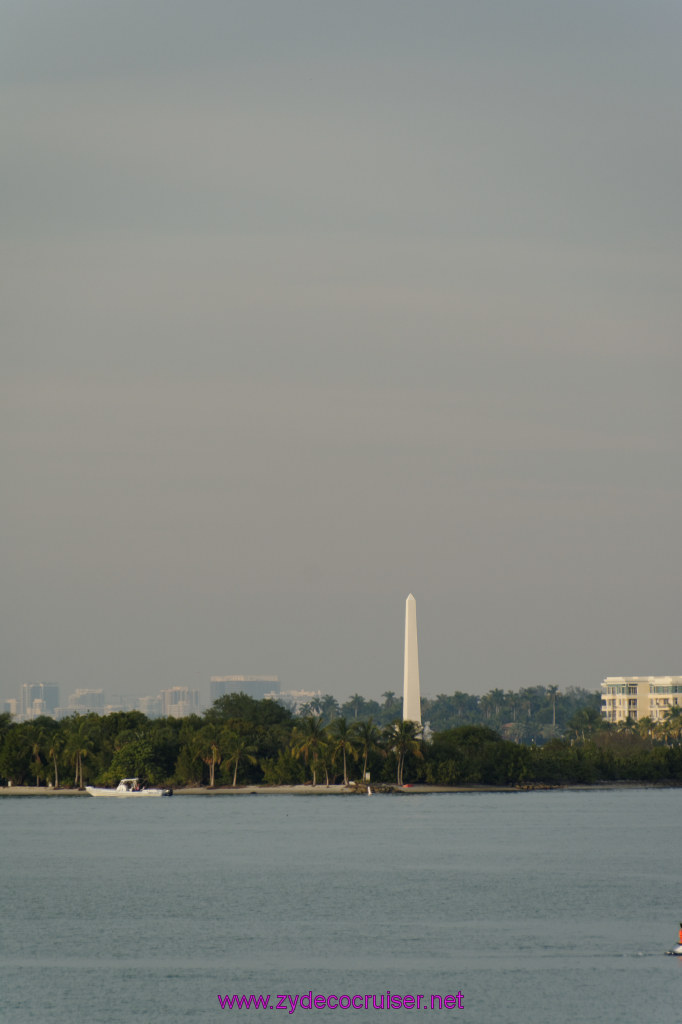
(309, 306)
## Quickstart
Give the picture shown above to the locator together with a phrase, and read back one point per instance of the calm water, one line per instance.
(542, 908)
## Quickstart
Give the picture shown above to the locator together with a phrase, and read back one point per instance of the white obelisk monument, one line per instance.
(411, 696)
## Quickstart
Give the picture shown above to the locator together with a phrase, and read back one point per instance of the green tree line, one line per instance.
(240, 740)
(533, 714)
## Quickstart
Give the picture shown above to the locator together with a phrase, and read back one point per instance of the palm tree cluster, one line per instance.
(357, 708)
(238, 738)
(330, 748)
(533, 714)
(262, 741)
(666, 731)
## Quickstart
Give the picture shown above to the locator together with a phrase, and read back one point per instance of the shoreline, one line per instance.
(341, 790)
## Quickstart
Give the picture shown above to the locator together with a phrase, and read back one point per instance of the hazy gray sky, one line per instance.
(308, 305)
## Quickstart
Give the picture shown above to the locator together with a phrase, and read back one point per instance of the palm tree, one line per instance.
(512, 703)
(316, 705)
(645, 728)
(78, 745)
(327, 755)
(671, 726)
(552, 692)
(628, 727)
(239, 748)
(529, 697)
(55, 747)
(210, 740)
(486, 705)
(342, 741)
(188, 766)
(36, 739)
(391, 708)
(585, 721)
(403, 738)
(368, 737)
(497, 701)
(307, 739)
(355, 704)
(329, 707)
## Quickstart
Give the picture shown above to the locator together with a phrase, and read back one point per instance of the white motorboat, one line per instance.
(127, 787)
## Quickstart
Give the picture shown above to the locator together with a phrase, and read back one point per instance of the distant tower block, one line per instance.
(411, 696)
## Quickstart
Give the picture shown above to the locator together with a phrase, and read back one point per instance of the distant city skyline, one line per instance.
(37, 699)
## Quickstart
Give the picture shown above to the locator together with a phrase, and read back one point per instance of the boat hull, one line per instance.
(100, 791)
(128, 787)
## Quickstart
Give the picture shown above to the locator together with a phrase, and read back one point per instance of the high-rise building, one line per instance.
(639, 697)
(47, 693)
(257, 687)
(50, 694)
(28, 693)
(12, 707)
(149, 706)
(411, 693)
(179, 702)
(83, 701)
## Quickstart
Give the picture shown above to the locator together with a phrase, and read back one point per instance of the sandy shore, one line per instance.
(323, 790)
(337, 790)
(39, 791)
(271, 791)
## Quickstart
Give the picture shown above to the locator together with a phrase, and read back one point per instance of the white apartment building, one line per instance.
(639, 697)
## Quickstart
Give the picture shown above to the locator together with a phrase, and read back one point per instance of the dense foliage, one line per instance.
(549, 739)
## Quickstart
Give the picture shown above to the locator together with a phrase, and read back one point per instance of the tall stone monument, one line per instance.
(411, 696)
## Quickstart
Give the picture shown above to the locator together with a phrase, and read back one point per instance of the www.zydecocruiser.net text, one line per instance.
(374, 1001)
